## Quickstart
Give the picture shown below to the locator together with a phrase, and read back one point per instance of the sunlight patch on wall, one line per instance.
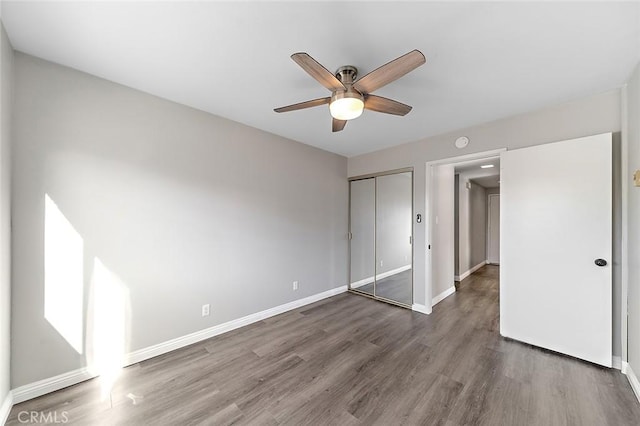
(108, 326)
(63, 276)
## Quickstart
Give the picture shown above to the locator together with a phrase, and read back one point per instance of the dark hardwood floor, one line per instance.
(350, 360)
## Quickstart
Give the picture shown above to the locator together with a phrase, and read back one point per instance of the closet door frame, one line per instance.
(375, 236)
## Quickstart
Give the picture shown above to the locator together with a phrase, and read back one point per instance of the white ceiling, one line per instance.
(473, 166)
(471, 170)
(484, 60)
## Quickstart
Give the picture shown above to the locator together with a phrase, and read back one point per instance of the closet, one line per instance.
(381, 236)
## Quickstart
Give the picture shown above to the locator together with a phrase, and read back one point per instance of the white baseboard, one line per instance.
(439, 298)
(42, 387)
(5, 408)
(362, 282)
(189, 339)
(423, 309)
(616, 362)
(369, 280)
(633, 379)
(470, 271)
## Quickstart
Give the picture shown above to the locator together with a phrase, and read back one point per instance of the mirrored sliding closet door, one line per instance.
(362, 233)
(381, 237)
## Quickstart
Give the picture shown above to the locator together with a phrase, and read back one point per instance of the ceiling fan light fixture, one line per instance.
(348, 92)
(346, 105)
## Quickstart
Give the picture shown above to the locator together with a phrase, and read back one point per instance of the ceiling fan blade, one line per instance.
(317, 71)
(303, 105)
(388, 106)
(389, 72)
(338, 125)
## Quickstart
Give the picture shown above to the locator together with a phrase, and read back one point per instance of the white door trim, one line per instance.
(624, 227)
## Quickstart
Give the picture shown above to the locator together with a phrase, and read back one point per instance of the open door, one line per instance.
(555, 274)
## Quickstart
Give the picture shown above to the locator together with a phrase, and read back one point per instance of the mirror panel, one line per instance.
(393, 223)
(362, 227)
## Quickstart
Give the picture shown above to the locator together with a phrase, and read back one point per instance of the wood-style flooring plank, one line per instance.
(350, 360)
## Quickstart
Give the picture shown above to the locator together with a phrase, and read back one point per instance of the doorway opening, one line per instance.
(556, 278)
(476, 215)
(463, 207)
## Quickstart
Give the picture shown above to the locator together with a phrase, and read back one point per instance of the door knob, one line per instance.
(600, 262)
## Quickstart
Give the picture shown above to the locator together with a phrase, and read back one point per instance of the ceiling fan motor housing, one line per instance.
(349, 93)
(347, 76)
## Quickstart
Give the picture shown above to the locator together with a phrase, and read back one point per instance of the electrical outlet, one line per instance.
(295, 285)
(205, 310)
(381, 263)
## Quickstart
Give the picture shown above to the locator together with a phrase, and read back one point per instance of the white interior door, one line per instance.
(493, 231)
(556, 222)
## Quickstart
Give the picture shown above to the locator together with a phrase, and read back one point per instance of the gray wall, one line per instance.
(464, 248)
(477, 225)
(633, 213)
(471, 222)
(6, 88)
(492, 191)
(443, 239)
(183, 207)
(597, 114)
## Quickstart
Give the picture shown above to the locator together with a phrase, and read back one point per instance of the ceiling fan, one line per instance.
(349, 95)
